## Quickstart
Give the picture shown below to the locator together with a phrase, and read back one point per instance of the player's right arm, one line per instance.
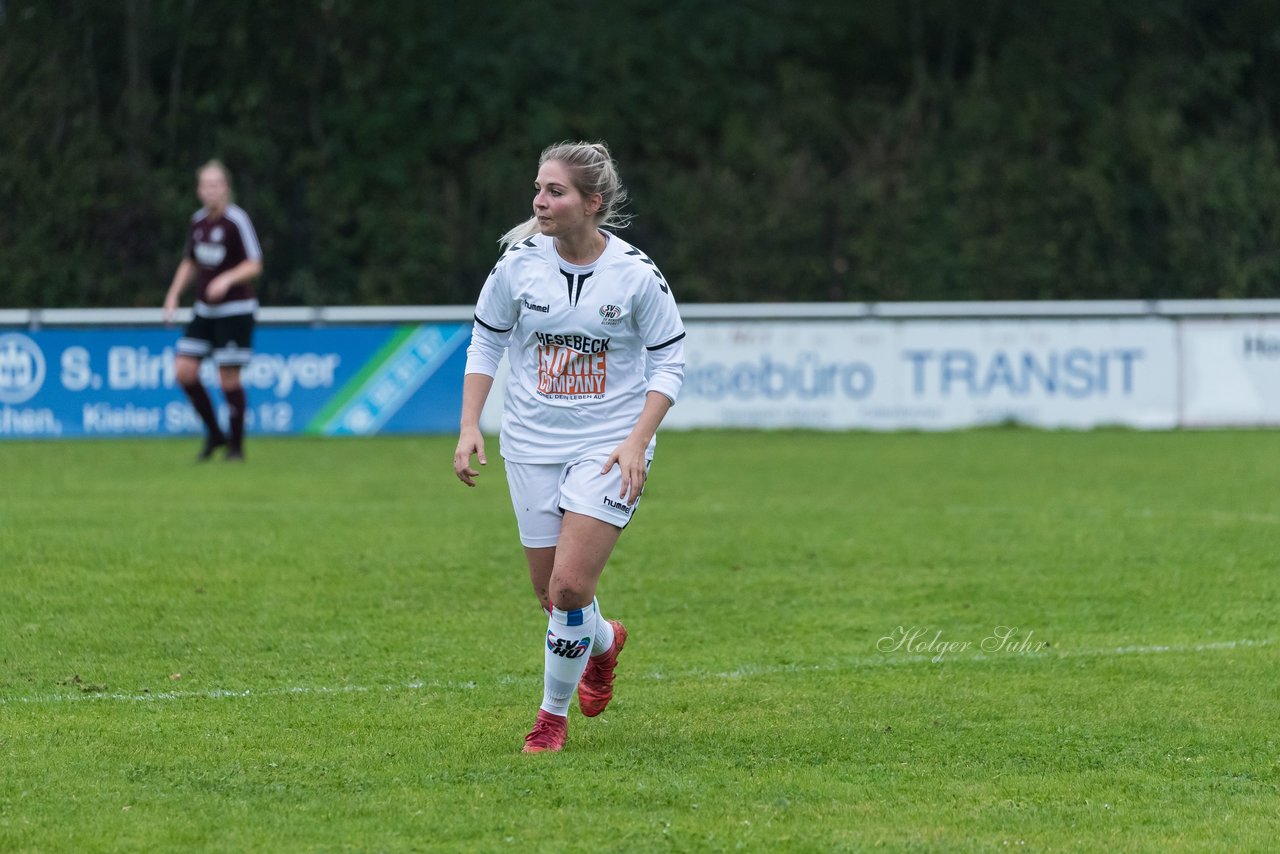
(475, 391)
(495, 317)
(181, 278)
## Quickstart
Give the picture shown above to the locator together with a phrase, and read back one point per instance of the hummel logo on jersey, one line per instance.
(617, 505)
(533, 306)
(567, 648)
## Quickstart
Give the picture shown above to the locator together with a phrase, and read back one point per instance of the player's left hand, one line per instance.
(629, 457)
(217, 290)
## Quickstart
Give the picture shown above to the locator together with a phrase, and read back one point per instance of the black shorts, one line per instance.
(228, 339)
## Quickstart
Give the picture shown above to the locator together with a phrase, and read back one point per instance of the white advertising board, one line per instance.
(888, 375)
(883, 366)
(1231, 372)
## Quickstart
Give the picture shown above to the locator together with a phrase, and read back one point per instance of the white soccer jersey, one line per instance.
(579, 340)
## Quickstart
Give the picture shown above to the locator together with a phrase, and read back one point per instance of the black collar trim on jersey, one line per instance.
(575, 282)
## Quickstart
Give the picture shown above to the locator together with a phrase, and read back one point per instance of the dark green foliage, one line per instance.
(831, 150)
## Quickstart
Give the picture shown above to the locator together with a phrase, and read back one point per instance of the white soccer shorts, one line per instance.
(542, 492)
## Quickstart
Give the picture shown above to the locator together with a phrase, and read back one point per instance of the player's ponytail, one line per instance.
(593, 171)
(528, 228)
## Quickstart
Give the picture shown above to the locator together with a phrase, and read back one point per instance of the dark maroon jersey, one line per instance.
(217, 245)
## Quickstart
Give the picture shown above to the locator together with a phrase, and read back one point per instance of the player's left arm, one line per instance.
(246, 270)
(630, 455)
(662, 332)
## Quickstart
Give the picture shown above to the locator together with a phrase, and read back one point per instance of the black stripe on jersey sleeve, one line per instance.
(665, 343)
(492, 328)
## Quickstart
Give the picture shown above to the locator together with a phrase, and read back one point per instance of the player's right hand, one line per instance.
(470, 441)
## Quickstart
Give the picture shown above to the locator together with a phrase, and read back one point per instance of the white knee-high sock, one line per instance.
(604, 632)
(569, 635)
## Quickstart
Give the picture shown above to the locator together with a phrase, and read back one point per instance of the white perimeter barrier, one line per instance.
(946, 366)
(930, 366)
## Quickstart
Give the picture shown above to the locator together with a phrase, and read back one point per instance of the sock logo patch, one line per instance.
(567, 648)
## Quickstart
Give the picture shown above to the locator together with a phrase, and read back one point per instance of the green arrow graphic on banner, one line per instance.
(390, 377)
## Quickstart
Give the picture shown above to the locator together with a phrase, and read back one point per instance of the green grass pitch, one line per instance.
(334, 648)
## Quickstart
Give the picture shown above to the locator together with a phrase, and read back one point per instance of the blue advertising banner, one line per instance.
(334, 380)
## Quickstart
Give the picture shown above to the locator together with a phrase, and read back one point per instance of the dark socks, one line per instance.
(236, 404)
(204, 408)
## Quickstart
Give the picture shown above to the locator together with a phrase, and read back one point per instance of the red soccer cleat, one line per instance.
(596, 688)
(548, 733)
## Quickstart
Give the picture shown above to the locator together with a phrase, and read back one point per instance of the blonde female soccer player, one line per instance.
(223, 257)
(581, 315)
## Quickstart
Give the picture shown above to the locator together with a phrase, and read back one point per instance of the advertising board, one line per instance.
(338, 380)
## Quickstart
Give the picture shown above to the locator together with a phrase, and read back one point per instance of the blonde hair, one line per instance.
(215, 163)
(593, 171)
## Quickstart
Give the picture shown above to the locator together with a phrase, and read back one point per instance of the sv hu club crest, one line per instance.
(567, 648)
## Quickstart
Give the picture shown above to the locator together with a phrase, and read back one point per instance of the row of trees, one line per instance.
(821, 150)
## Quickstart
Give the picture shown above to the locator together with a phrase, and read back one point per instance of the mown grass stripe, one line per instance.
(746, 671)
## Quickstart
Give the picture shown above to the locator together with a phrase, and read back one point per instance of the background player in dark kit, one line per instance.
(222, 255)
